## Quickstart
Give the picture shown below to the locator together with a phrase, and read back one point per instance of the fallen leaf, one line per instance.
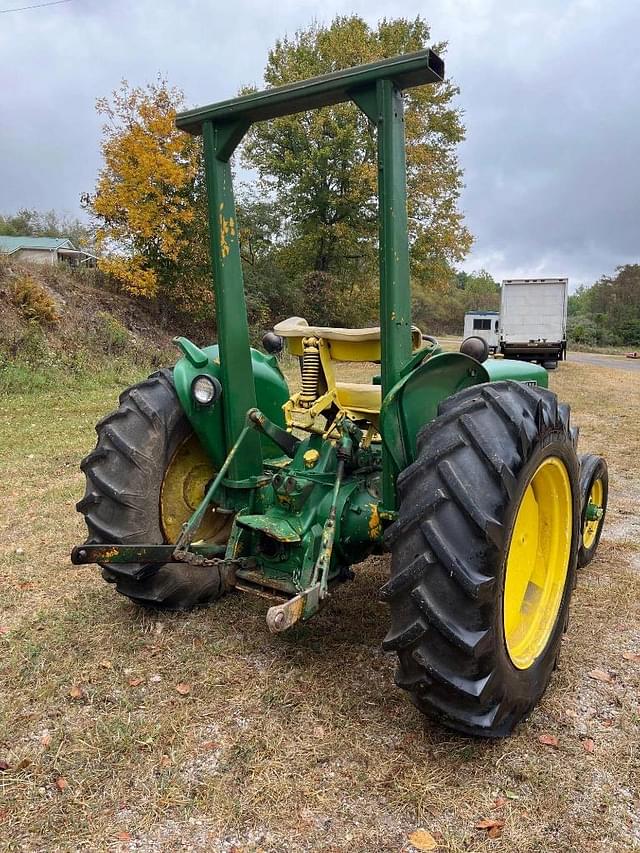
(588, 744)
(165, 761)
(61, 783)
(45, 740)
(490, 823)
(210, 744)
(4, 630)
(423, 840)
(105, 663)
(124, 836)
(499, 802)
(607, 723)
(136, 682)
(76, 692)
(4, 765)
(3, 814)
(26, 585)
(21, 765)
(183, 688)
(549, 740)
(600, 675)
(634, 656)
(495, 832)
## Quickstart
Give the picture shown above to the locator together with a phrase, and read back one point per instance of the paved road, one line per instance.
(619, 362)
(615, 362)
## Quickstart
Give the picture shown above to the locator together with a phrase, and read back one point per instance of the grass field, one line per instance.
(124, 730)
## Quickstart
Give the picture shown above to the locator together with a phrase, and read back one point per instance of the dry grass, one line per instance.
(290, 743)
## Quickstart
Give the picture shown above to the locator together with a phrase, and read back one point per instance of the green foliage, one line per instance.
(608, 312)
(441, 310)
(32, 223)
(34, 302)
(320, 167)
(109, 333)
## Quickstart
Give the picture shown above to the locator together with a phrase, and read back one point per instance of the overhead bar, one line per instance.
(405, 72)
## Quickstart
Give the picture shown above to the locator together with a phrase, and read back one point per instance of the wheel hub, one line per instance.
(594, 514)
(537, 563)
(183, 487)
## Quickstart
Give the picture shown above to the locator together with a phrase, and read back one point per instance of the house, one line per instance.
(45, 250)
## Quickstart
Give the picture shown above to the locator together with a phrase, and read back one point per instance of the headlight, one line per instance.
(205, 390)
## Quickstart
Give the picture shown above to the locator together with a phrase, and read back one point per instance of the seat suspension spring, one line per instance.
(310, 372)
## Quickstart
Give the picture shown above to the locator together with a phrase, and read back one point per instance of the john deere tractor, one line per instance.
(214, 477)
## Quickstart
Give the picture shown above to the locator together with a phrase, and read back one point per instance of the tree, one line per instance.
(608, 312)
(320, 166)
(32, 223)
(145, 198)
(442, 310)
(150, 204)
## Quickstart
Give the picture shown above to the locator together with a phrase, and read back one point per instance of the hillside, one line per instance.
(64, 320)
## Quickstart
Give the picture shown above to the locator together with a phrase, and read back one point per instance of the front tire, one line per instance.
(477, 615)
(594, 490)
(144, 478)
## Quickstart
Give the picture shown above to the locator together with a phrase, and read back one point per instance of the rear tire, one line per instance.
(125, 474)
(459, 503)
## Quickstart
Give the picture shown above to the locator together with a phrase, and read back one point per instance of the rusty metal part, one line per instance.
(280, 617)
(160, 554)
(253, 580)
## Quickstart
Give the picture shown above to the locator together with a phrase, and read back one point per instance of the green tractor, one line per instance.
(212, 476)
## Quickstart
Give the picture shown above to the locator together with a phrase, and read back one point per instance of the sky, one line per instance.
(549, 91)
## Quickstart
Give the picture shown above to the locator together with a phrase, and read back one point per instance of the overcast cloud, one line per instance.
(549, 90)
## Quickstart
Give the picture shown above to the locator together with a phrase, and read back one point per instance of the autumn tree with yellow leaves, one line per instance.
(145, 199)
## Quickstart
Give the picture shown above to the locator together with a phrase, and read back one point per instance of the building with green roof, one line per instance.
(45, 250)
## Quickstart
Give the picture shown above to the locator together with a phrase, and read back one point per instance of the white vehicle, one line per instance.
(533, 319)
(483, 324)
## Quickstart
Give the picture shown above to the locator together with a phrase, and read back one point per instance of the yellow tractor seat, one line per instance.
(344, 344)
(359, 398)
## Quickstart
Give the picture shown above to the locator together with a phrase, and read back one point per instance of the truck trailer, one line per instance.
(483, 324)
(533, 319)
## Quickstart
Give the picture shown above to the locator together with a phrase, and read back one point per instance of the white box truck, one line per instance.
(533, 319)
(483, 324)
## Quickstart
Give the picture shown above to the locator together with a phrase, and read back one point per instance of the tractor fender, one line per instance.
(272, 392)
(518, 371)
(414, 400)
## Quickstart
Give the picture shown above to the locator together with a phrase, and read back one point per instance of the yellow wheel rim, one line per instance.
(537, 563)
(590, 529)
(183, 487)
